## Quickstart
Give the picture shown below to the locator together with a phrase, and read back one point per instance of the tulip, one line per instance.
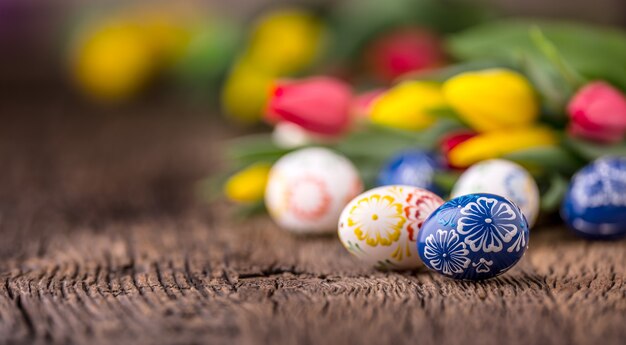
(319, 104)
(167, 30)
(114, 61)
(496, 144)
(598, 112)
(452, 140)
(285, 41)
(406, 105)
(404, 50)
(492, 99)
(245, 92)
(248, 185)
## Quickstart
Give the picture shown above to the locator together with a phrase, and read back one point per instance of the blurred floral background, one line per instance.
(35, 36)
(538, 83)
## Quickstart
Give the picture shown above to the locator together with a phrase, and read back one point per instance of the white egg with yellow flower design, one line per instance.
(381, 225)
(307, 189)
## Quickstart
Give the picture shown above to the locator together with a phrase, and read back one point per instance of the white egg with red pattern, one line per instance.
(308, 188)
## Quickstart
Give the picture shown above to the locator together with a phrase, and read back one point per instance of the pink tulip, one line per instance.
(404, 50)
(598, 112)
(319, 104)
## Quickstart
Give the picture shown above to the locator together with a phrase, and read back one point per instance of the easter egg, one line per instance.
(307, 189)
(473, 237)
(412, 168)
(381, 225)
(595, 203)
(289, 135)
(505, 178)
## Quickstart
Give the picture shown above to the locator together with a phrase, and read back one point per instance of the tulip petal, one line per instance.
(406, 105)
(285, 41)
(495, 144)
(492, 99)
(245, 92)
(404, 50)
(598, 112)
(248, 185)
(319, 104)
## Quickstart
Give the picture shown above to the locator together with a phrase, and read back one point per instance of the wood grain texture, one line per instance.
(103, 241)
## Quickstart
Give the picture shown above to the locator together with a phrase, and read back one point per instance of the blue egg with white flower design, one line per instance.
(595, 203)
(410, 168)
(473, 237)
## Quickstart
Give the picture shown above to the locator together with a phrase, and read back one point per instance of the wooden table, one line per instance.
(104, 241)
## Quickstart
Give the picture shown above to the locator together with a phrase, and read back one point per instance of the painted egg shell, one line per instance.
(289, 135)
(308, 188)
(473, 237)
(501, 177)
(412, 168)
(381, 225)
(595, 203)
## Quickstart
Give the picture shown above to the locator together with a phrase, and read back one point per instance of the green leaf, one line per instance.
(551, 53)
(443, 113)
(548, 158)
(553, 77)
(382, 142)
(447, 114)
(254, 148)
(552, 197)
(590, 150)
(377, 143)
(442, 74)
(554, 91)
(594, 52)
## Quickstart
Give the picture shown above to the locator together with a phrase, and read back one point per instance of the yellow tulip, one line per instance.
(245, 92)
(406, 105)
(167, 32)
(114, 61)
(285, 41)
(492, 99)
(248, 185)
(496, 144)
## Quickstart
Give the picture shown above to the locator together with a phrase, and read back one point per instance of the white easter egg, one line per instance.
(381, 225)
(308, 188)
(289, 135)
(505, 178)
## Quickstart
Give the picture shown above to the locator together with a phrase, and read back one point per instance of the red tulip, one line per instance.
(319, 104)
(598, 112)
(451, 140)
(404, 50)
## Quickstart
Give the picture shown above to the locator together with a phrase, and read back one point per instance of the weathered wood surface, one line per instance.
(104, 242)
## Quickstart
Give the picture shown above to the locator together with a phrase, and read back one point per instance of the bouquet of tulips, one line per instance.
(423, 105)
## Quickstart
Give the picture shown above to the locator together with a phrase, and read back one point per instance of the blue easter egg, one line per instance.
(473, 237)
(595, 203)
(411, 168)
